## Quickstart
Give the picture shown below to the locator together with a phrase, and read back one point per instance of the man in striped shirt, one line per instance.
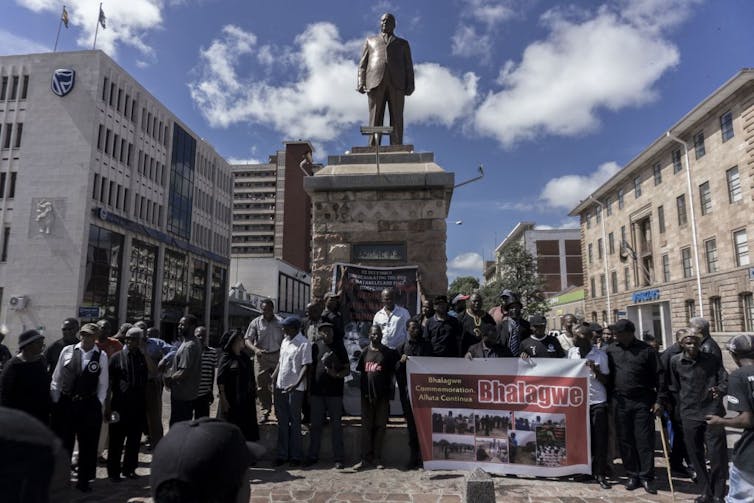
(209, 362)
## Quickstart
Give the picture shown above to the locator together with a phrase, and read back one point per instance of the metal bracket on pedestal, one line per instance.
(376, 132)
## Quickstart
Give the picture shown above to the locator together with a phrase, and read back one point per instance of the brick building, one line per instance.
(668, 236)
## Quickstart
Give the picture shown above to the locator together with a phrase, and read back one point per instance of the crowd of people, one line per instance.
(97, 389)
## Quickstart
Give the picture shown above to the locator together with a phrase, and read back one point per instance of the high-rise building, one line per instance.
(110, 206)
(271, 244)
(668, 237)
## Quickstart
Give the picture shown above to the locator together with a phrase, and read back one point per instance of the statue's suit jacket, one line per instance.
(395, 55)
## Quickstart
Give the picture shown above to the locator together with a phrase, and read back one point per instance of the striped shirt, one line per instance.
(209, 362)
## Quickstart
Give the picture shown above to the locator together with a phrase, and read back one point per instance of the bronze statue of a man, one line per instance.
(386, 74)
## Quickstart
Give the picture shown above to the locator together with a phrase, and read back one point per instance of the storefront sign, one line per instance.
(504, 415)
(88, 312)
(645, 296)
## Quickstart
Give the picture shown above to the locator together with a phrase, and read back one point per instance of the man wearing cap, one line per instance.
(194, 453)
(185, 372)
(540, 344)
(741, 400)
(391, 319)
(24, 383)
(263, 338)
(700, 381)
(290, 386)
(79, 388)
(634, 379)
(599, 368)
(329, 368)
(458, 306)
(443, 331)
(129, 371)
(473, 322)
(513, 330)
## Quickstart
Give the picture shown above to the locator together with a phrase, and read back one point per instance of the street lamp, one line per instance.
(693, 219)
(604, 254)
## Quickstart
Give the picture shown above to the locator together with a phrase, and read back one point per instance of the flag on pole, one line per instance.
(64, 17)
(102, 17)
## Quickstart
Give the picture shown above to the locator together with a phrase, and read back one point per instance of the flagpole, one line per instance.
(60, 23)
(96, 30)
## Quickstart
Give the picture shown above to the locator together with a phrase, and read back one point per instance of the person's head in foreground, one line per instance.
(203, 461)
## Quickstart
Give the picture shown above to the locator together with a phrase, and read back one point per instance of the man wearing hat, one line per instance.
(69, 330)
(290, 386)
(540, 344)
(443, 331)
(24, 383)
(513, 330)
(330, 367)
(263, 338)
(634, 379)
(741, 400)
(700, 381)
(129, 371)
(79, 388)
(391, 319)
(458, 306)
(194, 453)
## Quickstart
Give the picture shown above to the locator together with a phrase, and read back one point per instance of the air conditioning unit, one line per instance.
(18, 302)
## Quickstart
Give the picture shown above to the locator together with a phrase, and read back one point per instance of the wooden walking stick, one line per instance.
(667, 458)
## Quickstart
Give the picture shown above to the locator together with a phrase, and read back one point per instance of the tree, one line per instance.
(518, 272)
(463, 284)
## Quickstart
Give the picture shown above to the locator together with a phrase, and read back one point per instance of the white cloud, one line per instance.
(472, 41)
(469, 262)
(569, 190)
(319, 100)
(604, 60)
(127, 22)
(14, 44)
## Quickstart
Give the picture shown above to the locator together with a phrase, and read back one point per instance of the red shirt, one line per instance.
(110, 346)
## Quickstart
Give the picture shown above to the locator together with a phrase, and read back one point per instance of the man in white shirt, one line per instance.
(290, 386)
(79, 389)
(392, 319)
(596, 360)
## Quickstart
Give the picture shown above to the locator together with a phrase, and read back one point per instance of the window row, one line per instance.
(110, 193)
(11, 179)
(151, 168)
(147, 210)
(115, 146)
(11, 134)
(13, 87)
(202, 200)
(202, 236)
(114, 96)
(150, 125)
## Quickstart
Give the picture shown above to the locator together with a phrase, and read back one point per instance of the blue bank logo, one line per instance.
(62, 81)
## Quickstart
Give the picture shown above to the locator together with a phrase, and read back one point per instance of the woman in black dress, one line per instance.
(237, 387)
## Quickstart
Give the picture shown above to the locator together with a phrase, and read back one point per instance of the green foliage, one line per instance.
(463, 284)
(518, 272)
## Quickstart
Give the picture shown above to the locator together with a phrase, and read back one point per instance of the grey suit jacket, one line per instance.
(395, 56)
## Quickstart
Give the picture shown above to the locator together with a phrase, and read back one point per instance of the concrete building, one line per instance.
(271, 244)
(557, 252)
(111, 206)
(668, 236)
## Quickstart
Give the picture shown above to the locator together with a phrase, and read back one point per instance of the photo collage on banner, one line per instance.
(504, 415)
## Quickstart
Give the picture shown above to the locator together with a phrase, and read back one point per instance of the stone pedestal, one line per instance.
(401, 207)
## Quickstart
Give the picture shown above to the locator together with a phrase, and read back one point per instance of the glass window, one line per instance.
(705, 198)
(657, 171)
(174, 285)
(620, 199)
(747, 307)
(680, 203)
(3, 88)
(103, 270)
(614, 281)
(198, 281)
(716, 314)
(699, 150)
(6, 239)
(688, 270)
(592, 288)
(609, 205)
(599, 248)
(710, 251)
(218, 295)
(676, 156)
(741, 245)
(589, 252)
(611, 243)
(666, 268)
(19, 133)
(726, 126)
(661, 219)
(626, 278)
(141, 286)
(181, 183)
(690, 309)
(637, 187)
(734, 185)
(588, 219)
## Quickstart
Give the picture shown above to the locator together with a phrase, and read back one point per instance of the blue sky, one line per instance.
(551, 97)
